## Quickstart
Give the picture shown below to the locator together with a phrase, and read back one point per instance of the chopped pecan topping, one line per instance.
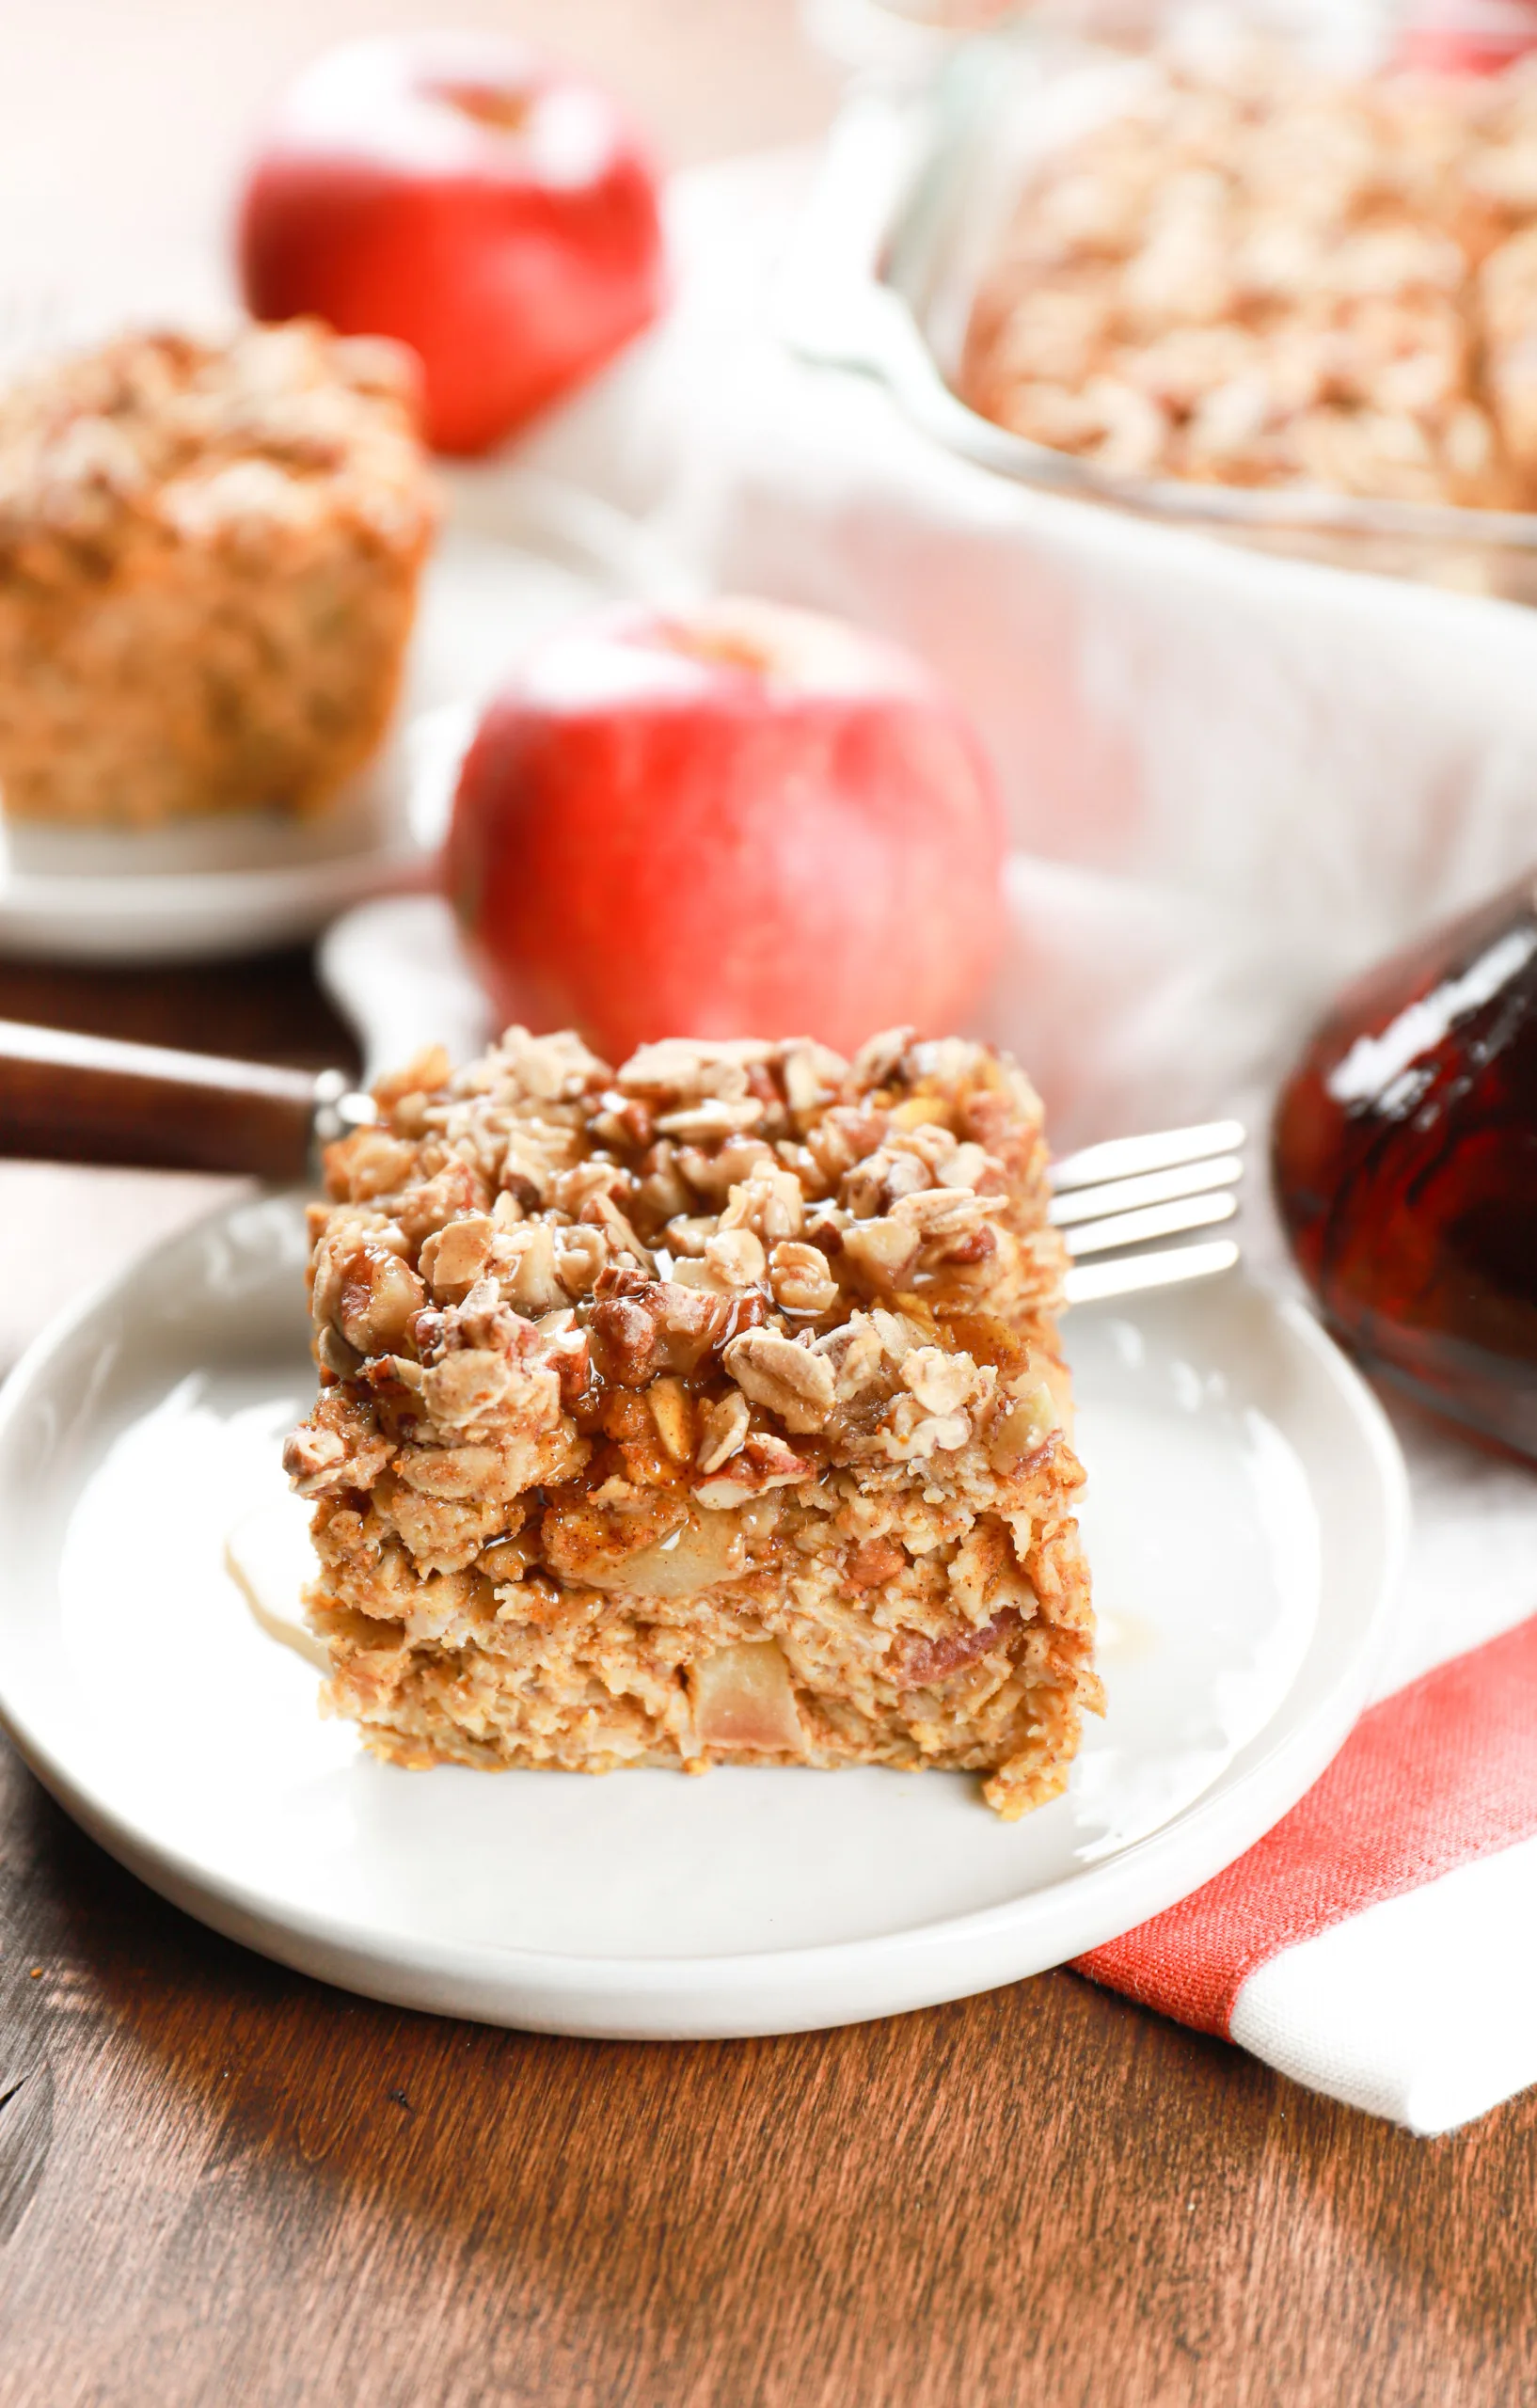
(973, 1248)
(623, 1335)
(377, 1298)
(641, 1326)
(691, 1323)
(759, 1464)
(534, 1238)
(454, 1190)
(551, 1069)
(771, 1204)
(369, 1163)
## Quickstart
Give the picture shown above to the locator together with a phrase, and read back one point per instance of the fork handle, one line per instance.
(66, 1098)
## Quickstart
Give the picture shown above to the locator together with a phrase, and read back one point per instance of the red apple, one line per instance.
(493, 212)
(736, 820)
(1468, 37)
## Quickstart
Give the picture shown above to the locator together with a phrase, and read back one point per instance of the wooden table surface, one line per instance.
(220, 2182)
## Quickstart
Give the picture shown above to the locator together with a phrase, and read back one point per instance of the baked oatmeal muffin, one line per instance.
(706, 1412)
(209, 557)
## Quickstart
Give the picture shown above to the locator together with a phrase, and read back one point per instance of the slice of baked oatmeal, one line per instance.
(209, 556)
(705, 1411)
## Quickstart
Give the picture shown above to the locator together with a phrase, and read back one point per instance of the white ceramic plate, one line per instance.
(1244, 1525)
(518, 554)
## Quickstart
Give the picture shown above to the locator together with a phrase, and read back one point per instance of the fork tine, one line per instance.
(1154, 1187)
(1119, 1198)
(1091, 1282)
(1162, 1150)
(1158, 1221)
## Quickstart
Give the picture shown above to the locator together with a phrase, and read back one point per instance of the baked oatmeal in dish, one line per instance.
(1267, 278)
(209, 558)
(706, 1411)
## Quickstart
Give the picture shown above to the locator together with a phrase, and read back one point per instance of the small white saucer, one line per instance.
(1246, 1524)
(518, 554)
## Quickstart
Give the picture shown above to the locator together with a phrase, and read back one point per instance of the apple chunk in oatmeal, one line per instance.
(708, 1411)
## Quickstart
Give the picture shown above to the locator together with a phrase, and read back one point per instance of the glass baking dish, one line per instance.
(916, 187)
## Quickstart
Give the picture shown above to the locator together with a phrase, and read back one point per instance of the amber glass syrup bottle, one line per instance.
(1406, 1166)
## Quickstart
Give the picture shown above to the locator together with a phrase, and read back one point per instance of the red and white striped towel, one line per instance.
(1379, 1945)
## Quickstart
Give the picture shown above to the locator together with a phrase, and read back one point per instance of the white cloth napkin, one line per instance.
(1231, 781)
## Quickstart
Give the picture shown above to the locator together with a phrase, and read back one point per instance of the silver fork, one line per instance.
(1115, 1203)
